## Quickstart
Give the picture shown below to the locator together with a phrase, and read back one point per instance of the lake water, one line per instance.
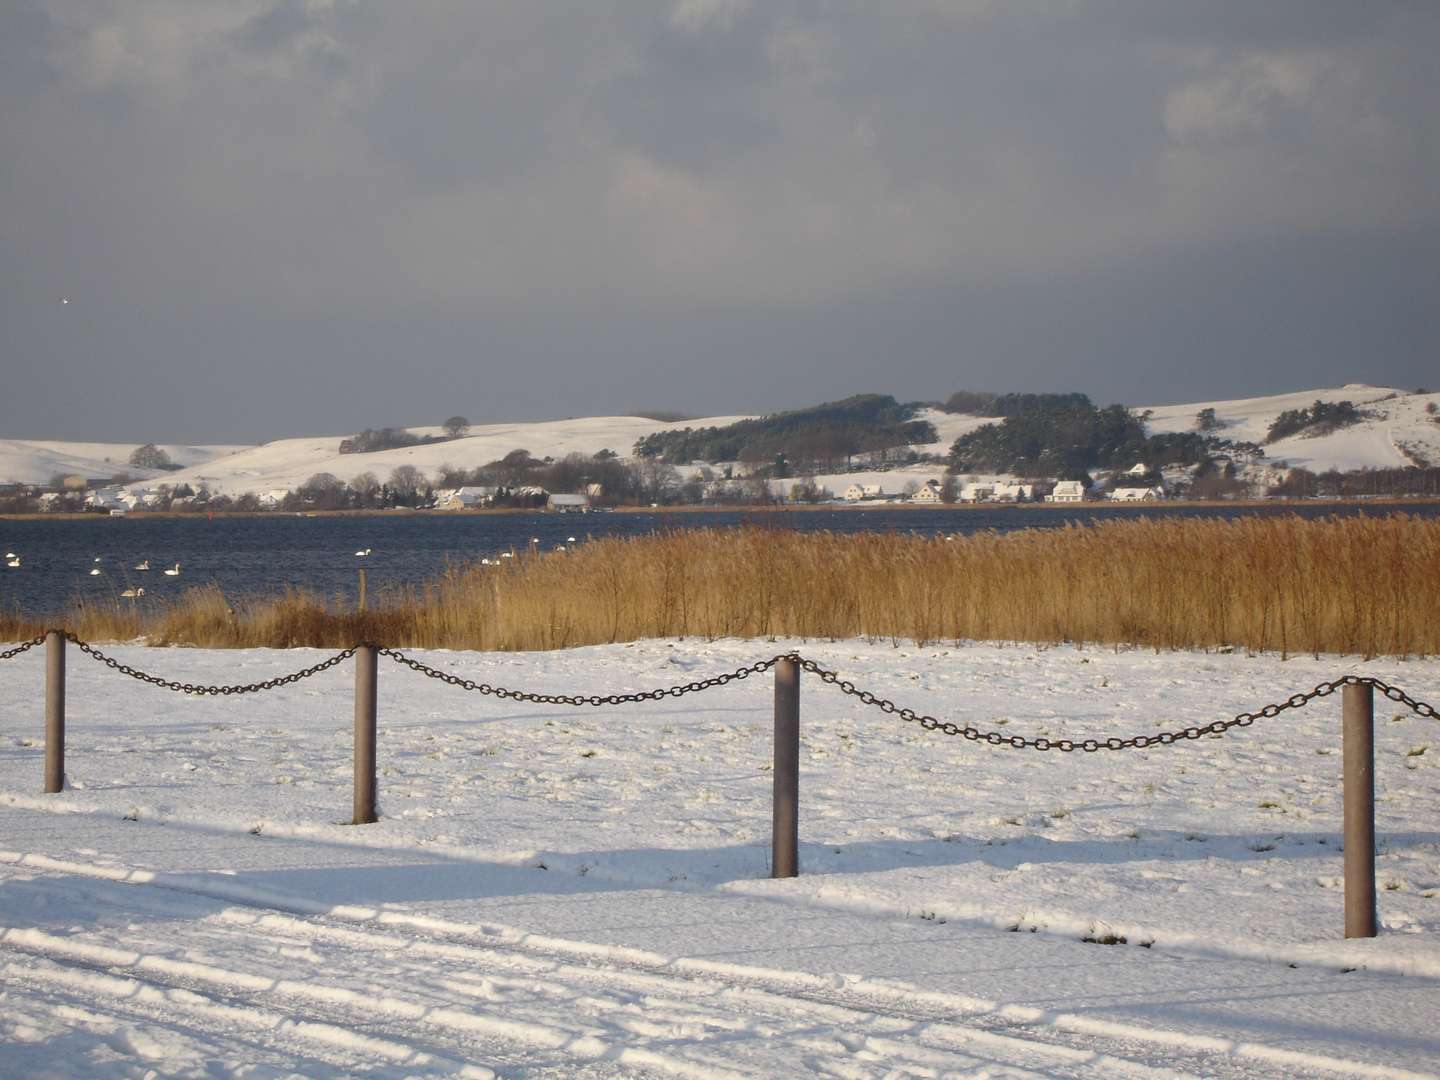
(265, 555)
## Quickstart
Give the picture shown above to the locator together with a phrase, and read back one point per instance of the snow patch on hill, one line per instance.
(35, 461)
(1397, 432)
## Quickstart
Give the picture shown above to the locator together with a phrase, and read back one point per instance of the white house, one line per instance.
(928, 493)
(856, 492)
(1005, 491)
(464, 498)
(972, 493)
(111, 498)
(1149, 494)
(1067, 491)
(568, 504)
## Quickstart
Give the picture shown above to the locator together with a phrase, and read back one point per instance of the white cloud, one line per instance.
(697, 15)
(1243, 94)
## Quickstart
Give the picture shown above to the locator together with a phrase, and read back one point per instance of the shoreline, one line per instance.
(729, 508)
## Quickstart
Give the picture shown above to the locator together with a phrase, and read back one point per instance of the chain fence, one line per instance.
(582, 699)
(24, 646)
(845, 686)
(203, 690)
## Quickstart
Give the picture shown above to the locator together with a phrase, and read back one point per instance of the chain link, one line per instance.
(582, 699)
(1090, 746)
(193, 688)
(866, 697)
(24, 646)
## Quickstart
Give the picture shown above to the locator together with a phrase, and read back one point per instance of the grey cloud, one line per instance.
(559, 208)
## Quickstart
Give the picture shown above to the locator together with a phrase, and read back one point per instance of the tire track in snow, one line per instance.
(838, 1037)
(865, 1012)
(131, 1001)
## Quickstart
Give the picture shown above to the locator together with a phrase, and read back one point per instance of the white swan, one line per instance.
(13, 563)
(130, 594)
(143, 565)
(362, 553)
(95, 572)
(97, 558)
(173, 571)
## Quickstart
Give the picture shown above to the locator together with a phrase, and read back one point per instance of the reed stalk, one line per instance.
(1359, 585)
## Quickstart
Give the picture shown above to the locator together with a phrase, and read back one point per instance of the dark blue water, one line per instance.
(248, 556)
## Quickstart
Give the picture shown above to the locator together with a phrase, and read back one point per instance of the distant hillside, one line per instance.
(820, 437)
(1396, 429)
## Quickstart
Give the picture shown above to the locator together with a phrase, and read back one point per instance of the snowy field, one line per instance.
(1397, 431)
(555, 892)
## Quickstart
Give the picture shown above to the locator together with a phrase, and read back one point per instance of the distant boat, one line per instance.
(144, 565)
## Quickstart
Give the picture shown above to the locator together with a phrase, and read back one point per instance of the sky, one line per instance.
(313, 216)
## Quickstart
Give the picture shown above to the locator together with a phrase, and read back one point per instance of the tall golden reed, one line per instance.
(1365, 585)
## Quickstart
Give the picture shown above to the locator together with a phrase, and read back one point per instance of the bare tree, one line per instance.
(457, 427)
(405, 483)
(324, 490)
(366, 489)
(149, 456)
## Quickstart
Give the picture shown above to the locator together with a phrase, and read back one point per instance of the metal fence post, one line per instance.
(366, 660)
(1358, 751)
(54, 711)
(785, 837)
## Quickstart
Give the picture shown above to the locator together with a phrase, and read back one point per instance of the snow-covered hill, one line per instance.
(35, 461)
(1397, 431)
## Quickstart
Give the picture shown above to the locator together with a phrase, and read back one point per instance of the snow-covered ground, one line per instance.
(1399, 433)
(559, 892)
(1397, 430)
(35, 461)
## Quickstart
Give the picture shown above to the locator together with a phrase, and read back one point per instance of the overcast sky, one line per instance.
(309, 217)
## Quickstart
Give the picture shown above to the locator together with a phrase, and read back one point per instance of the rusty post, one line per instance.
(366, 662)
(1358, 751)
(785, 837)
(361, 604)
(54, 711)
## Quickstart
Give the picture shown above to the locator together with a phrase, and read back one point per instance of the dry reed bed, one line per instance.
(1366, 585)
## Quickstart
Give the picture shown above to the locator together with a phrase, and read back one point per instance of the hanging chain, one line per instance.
(581, 699)
(24, 646)
(193, 688)
(866, 697)
(1089, 746)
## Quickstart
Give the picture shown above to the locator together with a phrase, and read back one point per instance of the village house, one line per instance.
(1005, 491)
(977, 492)
(111, 498)
(858, 492)
(1146, 494)
(1138, 469)
(1067, 491)
(568, 504)
(928, 493)
(464, 498)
